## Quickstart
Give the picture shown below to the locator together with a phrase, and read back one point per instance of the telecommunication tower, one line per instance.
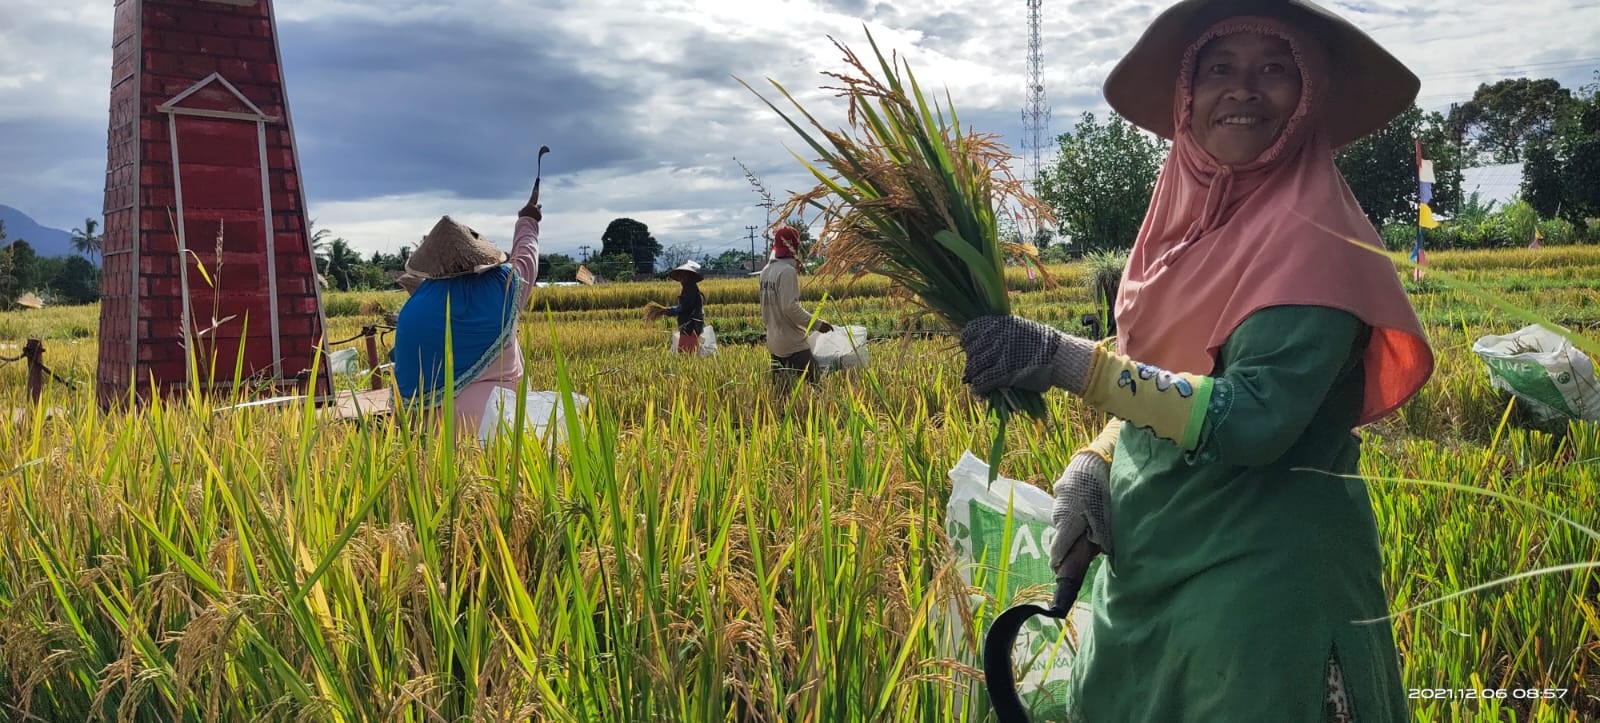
(1036, 114)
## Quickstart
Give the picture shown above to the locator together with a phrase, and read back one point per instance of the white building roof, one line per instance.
(1500, 183)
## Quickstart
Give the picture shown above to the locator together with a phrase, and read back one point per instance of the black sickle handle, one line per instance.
(1066, 595)
(539, 168)
(1002, 636)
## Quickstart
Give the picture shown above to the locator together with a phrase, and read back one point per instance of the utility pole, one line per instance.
(1458, 129)
(752, 230)
(584, 249)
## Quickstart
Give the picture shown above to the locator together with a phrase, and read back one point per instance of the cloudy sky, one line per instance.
(406, 110)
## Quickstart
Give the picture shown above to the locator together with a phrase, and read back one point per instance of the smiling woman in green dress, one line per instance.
(1258, 326)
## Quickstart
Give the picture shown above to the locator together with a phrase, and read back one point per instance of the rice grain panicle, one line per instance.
(906, 194)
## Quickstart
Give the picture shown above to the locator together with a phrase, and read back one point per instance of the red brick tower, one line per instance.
(205, 243)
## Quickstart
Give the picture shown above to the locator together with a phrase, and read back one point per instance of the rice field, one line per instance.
(699, 550)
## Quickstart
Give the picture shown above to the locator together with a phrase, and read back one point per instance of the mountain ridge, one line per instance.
(46, 241)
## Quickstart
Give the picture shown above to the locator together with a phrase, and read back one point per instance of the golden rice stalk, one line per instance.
(906, 194)
(909, 196)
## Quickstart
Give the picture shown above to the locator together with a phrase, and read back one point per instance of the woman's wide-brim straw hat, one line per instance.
(1370, 86)
(688, 270)
(453, 249)
(409, 282)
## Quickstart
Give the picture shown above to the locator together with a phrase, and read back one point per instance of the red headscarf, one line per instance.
(784, 242)
(1220, 243)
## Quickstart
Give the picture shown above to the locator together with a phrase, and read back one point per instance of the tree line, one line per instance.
(1100, 182)
(628, 251)
(70, 279)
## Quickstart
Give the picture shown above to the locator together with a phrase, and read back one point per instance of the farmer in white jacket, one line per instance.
(785, 319)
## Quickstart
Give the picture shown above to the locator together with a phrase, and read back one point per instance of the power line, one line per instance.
(1492, 71)
(1438, 98)
(736, 244)
(1508, 69)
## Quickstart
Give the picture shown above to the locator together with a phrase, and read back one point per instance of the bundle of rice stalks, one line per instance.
(908, 195)
(654, 311)
(1105, 275)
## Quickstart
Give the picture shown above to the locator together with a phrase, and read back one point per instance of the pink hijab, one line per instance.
(1220, 243)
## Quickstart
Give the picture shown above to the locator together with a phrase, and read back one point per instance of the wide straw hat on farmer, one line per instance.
(453, 249)
(688, 270)
(1370, 86)
(409, 282)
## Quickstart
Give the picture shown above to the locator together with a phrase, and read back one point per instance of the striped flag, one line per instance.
(584, 275)
(1425, 183)
(1425, 217)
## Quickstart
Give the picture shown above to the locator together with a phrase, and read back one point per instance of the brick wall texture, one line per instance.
(214, 195)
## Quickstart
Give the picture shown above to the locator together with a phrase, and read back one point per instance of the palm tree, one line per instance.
(319, 250)
(86, 242)
(341, 261)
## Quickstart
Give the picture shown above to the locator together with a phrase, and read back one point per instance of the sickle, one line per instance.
(1002, 635)
(539, 166)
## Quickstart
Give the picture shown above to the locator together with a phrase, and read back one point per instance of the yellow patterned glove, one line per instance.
(1008, 352)
(1172, 405)
(1105, 444)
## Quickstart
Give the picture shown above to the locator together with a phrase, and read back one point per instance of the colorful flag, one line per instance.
(1425, 217)
(1424, 192)
(1537, 237)
(1418, 257)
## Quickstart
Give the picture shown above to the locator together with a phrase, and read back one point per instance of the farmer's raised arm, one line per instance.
(525, 245)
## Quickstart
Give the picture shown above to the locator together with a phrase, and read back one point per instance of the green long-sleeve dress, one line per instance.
(1234, 576)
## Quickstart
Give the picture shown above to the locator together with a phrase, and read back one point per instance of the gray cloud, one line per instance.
(848, 7)
(406, 110)
(397, 109)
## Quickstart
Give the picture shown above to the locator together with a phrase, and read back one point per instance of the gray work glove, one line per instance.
(1009, 352)
(1082, 515)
